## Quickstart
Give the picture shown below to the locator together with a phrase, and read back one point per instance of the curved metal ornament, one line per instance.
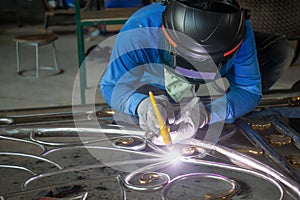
(260, 124)
(278, 140)
(148, 181)
(198, 177)
(194, 151)
(130, 142)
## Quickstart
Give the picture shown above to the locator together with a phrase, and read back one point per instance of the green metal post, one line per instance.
(80, 46)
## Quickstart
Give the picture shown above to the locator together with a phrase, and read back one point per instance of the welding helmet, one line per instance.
(202, 35)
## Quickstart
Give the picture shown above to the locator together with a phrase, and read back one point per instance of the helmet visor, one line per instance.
(200, 70)
(196, 65)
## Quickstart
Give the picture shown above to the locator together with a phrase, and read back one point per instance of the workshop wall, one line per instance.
(21, 12)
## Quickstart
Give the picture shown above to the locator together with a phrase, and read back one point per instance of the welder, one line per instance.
(203, 40)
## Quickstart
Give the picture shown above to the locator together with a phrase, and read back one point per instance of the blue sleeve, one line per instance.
(245, 83)
(119, 83)
(135, 60)
(134, 63)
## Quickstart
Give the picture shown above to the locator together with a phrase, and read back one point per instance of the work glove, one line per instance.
(147, 117)
(191, 117)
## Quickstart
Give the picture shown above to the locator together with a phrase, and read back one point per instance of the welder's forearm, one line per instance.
(232, 106)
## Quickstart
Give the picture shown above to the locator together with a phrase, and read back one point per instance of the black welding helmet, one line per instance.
(202, 35)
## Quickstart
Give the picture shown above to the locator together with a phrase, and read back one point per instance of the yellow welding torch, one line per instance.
(164, 129)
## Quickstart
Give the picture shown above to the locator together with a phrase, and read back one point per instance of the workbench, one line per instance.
(92, 18)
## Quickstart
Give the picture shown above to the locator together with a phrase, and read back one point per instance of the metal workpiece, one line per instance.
(294, 159)
(193, 151)
(66, 114)
(42, 147)
(29, 156)
(238, 189)
(63, 188)
(19, 168)
(283, 98)
(6, 121)
(285, 130)
(271, 153)
(130, 142)
(147, 181)
(250, 163)
(230, 186)
(260, 124)
(117, 160)
(65, 131)
(54, 115)
(278, 140)
(248, 150)
(295, 100)
(148, 178)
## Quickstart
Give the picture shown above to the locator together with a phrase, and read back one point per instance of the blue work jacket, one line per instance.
(137, 60)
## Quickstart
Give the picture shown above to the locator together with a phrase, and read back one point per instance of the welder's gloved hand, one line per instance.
(147, 117)
(192, 116)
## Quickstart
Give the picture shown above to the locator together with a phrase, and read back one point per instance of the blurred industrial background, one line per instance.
(21, 17)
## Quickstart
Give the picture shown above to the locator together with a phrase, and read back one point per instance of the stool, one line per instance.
(37, 40)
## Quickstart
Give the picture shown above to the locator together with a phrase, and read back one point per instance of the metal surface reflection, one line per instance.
(159, 169)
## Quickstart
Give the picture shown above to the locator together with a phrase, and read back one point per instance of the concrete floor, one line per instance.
(23, 92)
(20, 92)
